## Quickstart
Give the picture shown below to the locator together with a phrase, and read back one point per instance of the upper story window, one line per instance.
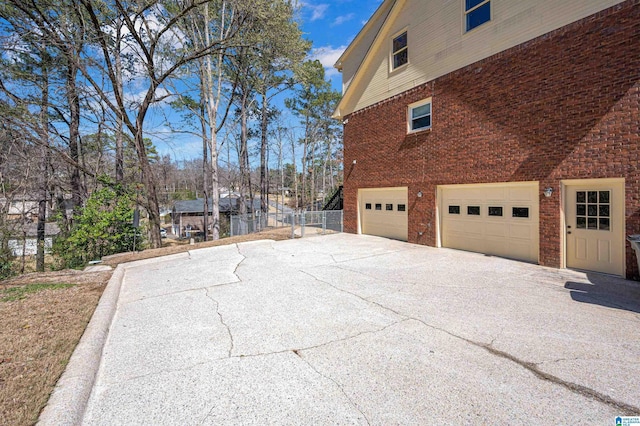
(399, 51)
(420, 115)
(476, 12)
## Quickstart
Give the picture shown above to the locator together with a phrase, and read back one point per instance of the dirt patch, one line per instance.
(43, 316)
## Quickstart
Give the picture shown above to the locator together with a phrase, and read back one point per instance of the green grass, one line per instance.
(18, 293)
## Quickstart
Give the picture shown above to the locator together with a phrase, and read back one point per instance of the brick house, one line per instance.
(497, 126)
(187, 216)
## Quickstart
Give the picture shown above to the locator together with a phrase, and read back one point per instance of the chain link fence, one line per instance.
(316, 222)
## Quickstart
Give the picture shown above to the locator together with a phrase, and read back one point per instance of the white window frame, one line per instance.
(410, 118)
(466, 12)
(393, 53)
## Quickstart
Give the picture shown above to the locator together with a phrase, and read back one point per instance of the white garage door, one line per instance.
(383, 212)
(499, 219)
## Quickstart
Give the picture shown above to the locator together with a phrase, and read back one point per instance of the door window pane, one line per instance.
(604, 197)
(473, 210)
(454, 209)
(495, 211)
(389, 207)
(402, 207)
(378, 206)
(593, 210)
(520, 212)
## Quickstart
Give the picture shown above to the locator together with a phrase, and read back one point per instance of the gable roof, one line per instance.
(225, 205)
(381, 13)
(394, 7)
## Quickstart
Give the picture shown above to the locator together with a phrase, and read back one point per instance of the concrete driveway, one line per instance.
(348, 329)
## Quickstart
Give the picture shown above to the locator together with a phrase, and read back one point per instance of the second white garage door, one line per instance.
(383, 212)
(499, 219)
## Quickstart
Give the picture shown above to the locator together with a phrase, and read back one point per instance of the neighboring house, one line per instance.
(188, 215)
(501, 127)
(20, 209)
(27, 242)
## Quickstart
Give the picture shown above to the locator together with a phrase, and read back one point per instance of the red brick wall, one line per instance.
(563, 106)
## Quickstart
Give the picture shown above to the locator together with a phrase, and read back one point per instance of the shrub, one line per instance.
(103, 227)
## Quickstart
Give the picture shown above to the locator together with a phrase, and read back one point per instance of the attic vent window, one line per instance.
(476, 12)
(400, 52)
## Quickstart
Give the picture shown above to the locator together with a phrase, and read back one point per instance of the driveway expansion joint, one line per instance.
(335, 382)
(624, 408)
(364, 299)
(320, 345)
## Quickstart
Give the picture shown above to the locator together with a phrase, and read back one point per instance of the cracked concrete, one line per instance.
(222, 322)
(361, 330)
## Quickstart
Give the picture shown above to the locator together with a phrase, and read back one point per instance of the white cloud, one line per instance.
(328, 56)
(342, 19)
(133, 100)
(317, 11)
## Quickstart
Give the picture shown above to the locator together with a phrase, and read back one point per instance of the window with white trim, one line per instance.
(399, 51)
(420, 116)
(476, 13)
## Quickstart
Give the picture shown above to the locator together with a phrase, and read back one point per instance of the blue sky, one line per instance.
(332, 25)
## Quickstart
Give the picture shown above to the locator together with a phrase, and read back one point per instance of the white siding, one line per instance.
(30, 246)
(438, 44)
(362, 43)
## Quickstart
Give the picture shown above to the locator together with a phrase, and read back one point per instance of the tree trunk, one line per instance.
(305, 147)
(264, 186)
(295, 170)
(212, 109)
(205, 158)
(153, 207)
(119, 121)
(74, 131)
(243, 157)
(44, 170)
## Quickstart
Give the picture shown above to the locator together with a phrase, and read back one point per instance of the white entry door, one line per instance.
(594, 218)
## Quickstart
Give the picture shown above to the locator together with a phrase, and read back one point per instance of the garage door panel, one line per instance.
(519, 250)
(384, 218)
(496, 230)
(499, 233)
(525, 232)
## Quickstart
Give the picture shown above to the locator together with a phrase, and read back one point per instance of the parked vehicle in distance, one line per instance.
(163, 233)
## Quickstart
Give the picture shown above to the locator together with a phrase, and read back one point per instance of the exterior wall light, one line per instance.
(548, 192)
(419, 194)
(354, 162)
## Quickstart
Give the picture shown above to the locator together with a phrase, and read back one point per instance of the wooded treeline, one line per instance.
(85, 83)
